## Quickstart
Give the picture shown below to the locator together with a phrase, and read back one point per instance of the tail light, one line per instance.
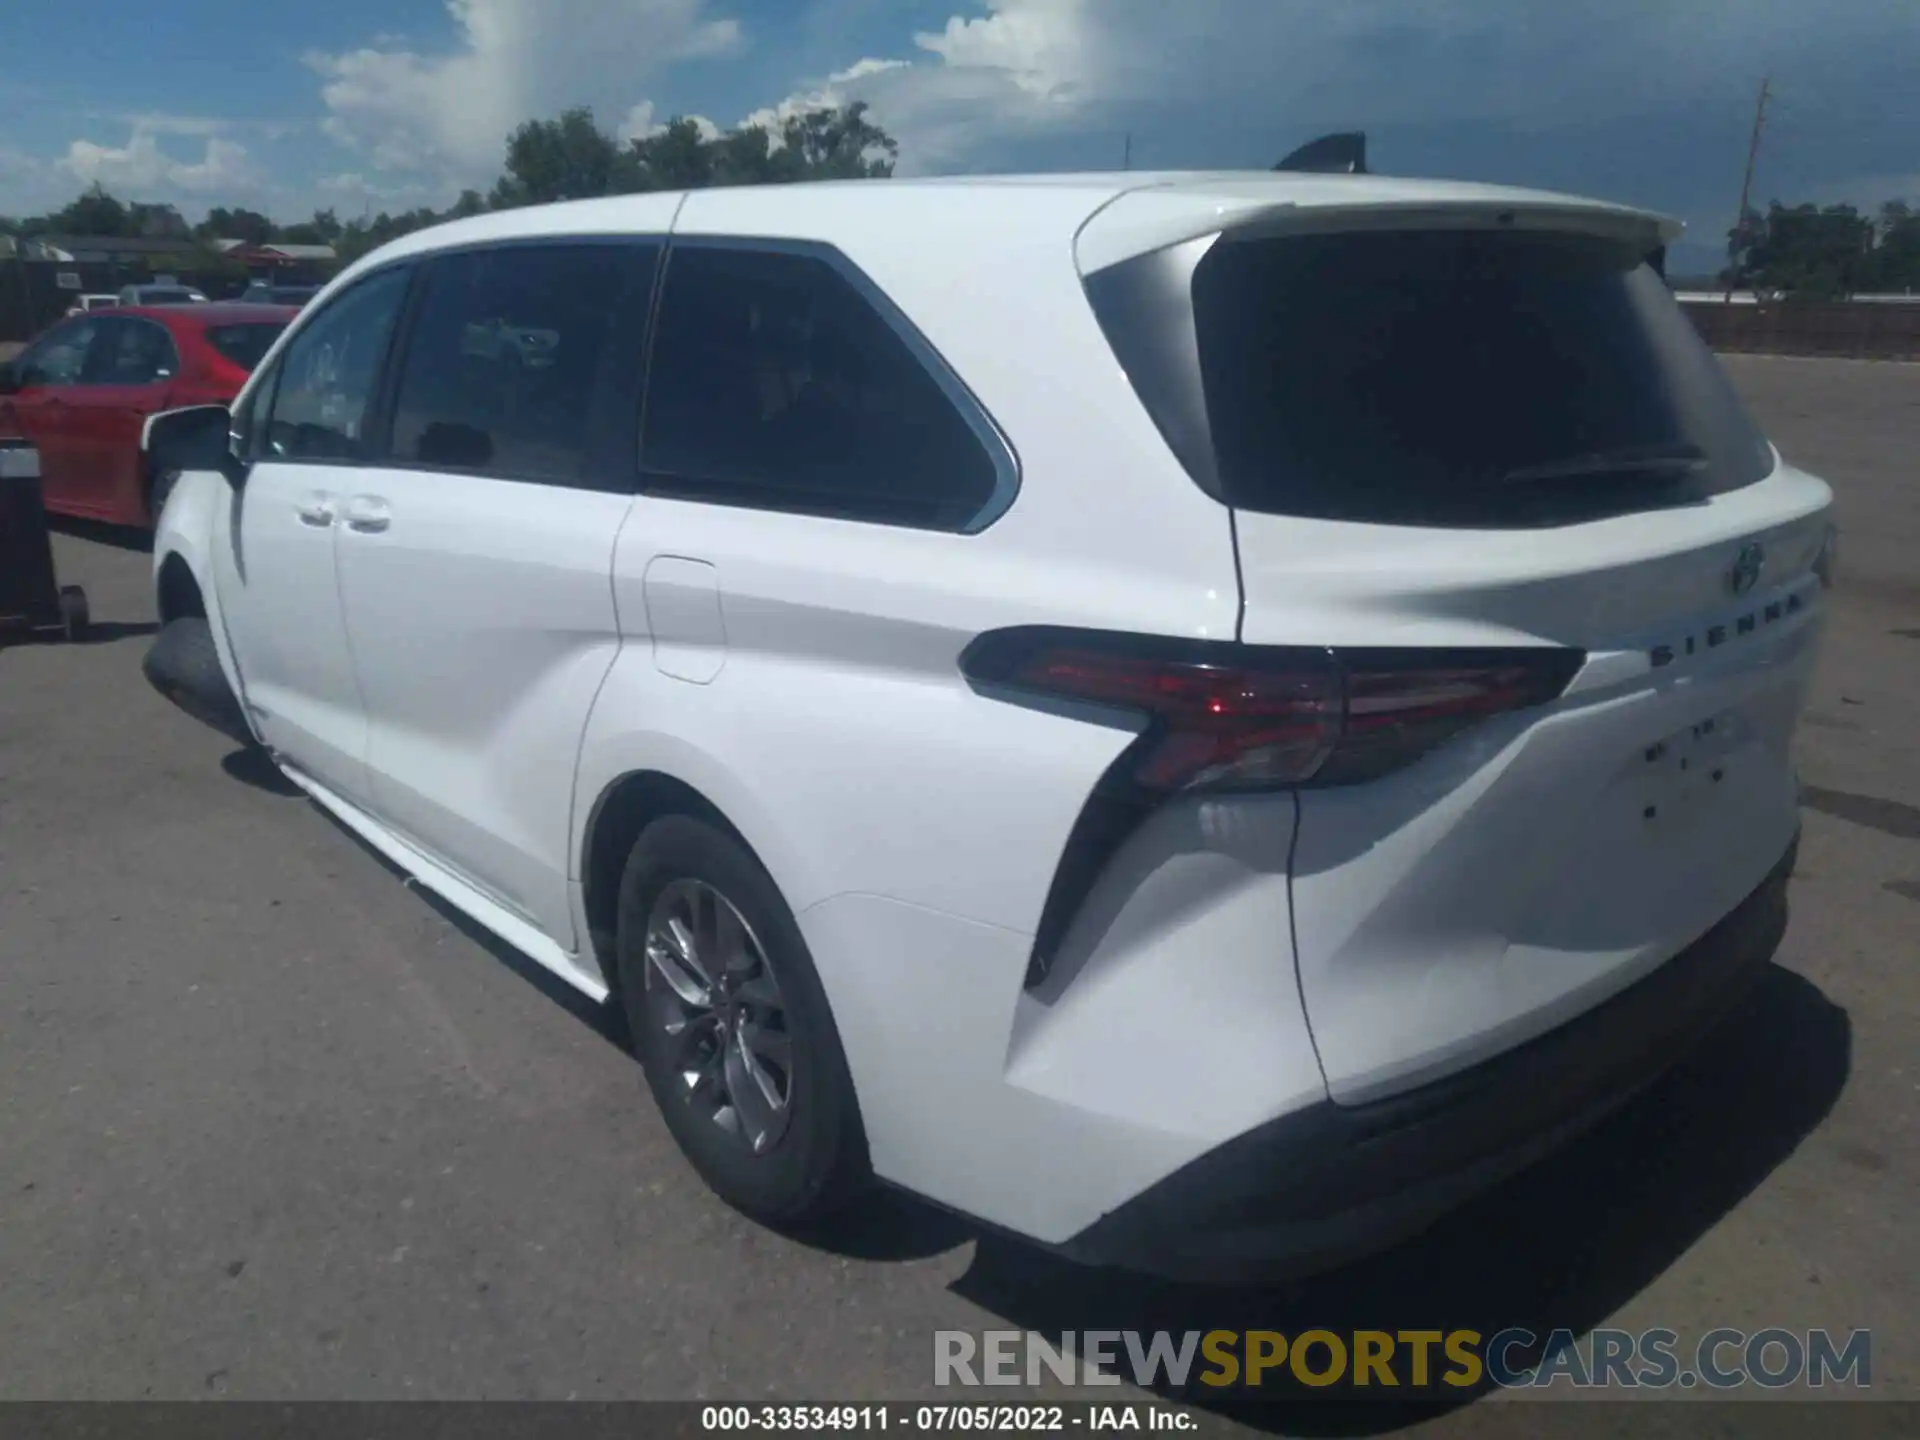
(1221, 716)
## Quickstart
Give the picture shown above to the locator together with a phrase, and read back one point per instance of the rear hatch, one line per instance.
(1468, 430)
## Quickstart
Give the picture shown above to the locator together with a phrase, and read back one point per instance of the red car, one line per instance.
(83, 390)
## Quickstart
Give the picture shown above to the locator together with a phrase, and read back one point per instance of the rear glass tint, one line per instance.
(244, 345)
(1457, 378)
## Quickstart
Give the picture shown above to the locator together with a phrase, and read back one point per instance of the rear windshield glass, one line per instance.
(244, 344)
(1458, 377)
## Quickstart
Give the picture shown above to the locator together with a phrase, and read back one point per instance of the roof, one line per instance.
(199, 317)
(72, 245)
(274, 247)
(299, 252)
(1108, 216)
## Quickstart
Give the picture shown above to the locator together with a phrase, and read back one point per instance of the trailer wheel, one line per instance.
(74, 616)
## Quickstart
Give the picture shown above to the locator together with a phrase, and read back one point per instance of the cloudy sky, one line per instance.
(390, 103)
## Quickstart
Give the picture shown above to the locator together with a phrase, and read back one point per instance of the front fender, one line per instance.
(187, 531)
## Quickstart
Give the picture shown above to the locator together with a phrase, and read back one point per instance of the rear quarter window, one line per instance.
(782, 382)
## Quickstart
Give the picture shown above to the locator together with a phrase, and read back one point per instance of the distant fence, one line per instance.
(1860, 331)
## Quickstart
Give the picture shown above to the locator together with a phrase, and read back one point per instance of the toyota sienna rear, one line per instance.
(1199, 719)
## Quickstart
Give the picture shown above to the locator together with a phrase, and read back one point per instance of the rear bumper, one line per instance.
(1329, 1184)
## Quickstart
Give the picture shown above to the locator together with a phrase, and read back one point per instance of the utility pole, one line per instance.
(1746, 186)
(1126, 160)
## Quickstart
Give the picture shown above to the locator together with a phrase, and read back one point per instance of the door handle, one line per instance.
(368, 514)
(316, 509)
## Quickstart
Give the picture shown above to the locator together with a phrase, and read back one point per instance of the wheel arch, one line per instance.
(624, 808)
(184, 575)
(177, 592)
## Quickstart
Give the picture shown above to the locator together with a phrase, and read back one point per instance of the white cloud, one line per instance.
(351, 192)
(1044, 48)
(1209, 80)
(837, 89)
(24, 183)
(448, 114)
(641, 123)
(140, 168)
(1026, 67)
(1493, 88)
(18, 165)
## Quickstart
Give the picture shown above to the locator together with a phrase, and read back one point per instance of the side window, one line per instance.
(131, 352)
(329, 371)
(250, 418)
(506, 354)
(61, 356)
(776, 383)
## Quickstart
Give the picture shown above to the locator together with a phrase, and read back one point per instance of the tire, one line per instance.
(784, 1167)
(183, 665)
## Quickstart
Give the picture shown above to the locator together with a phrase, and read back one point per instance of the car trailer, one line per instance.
(31, 598)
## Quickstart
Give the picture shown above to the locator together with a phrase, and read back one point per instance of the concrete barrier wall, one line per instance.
(1858, 331)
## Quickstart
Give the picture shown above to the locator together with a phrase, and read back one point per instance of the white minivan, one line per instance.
(1198, 719)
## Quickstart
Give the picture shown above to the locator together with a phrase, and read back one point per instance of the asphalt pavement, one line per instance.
(274, 1124)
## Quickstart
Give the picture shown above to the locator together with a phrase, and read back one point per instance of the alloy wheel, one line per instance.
(711, 992)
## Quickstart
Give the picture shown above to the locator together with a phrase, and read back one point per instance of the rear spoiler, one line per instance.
(1341, 154)
(1345, 153)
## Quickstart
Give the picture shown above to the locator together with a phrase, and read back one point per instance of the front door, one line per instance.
(304, 424)
(43, 410)
(129, 372)
(476, 563)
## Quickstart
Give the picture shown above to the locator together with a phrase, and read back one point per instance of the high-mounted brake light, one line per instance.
(1238, 717)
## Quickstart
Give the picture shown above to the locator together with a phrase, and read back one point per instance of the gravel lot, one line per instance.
(273, 1125)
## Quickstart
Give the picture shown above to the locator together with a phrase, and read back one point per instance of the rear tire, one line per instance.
(753, 1083)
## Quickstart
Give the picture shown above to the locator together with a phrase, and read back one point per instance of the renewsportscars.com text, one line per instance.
(1400, 1360)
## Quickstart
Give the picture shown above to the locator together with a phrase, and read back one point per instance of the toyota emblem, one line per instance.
(1746, 568)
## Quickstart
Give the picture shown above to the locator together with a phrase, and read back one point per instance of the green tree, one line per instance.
(1810, 252)
(94, 213)
(568, 158)
(224, 224)
(360, 237)
(327, 226)
(304, 232)
(157, 222)
(677, 157)
(1895, 264)
(834, 144)
(571, 158)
